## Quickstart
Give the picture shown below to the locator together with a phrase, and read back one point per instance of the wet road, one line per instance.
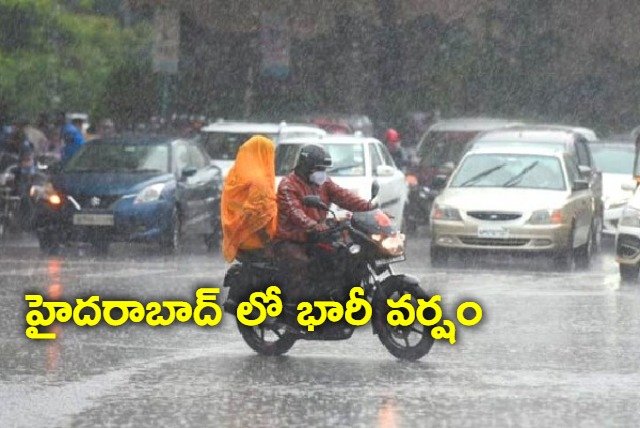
(553, 349)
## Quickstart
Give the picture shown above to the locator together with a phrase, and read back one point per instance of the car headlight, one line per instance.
(546, 217)
(440, 212)
(630, 217)
(149, 194)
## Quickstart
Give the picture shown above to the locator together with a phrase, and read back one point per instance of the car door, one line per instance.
(393, 188)
(205, 190)
(186, 185)
(580, 202)
(595, 176)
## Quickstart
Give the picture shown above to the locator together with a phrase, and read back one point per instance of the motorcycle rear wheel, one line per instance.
(258, 338)
(406, 343)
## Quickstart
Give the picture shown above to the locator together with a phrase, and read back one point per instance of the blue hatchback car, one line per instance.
(131, 189)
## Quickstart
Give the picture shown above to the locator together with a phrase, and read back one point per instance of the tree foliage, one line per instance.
(53, 57)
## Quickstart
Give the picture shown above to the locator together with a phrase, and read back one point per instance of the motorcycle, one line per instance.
(356, 252)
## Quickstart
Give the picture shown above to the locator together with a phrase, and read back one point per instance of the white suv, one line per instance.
(223, 138)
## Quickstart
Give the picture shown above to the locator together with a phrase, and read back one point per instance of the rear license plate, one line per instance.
(492, 232)
(93, 219)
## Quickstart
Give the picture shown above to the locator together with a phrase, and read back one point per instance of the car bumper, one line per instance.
(520, 238)
(150, 221)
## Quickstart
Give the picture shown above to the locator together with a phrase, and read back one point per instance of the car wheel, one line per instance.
(173, 241)
(629, 273)
(48, 242)
(565, 259)
(439, 256)
(585, 252)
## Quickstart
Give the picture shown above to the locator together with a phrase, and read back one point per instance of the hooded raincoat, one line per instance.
(249, 198)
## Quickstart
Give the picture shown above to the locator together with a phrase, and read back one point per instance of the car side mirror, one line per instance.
(629, 187)
(189, 171)
(439, 181)
(375, 189)
(314, 201)
(384, 170)
(580, 185)
(585, 170)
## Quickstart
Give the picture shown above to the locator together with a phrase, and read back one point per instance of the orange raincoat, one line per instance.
(249, 198)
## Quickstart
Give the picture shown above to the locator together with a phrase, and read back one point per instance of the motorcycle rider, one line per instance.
(296, 221)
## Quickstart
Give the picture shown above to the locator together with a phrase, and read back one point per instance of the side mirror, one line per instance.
(439, 181)
(585, 170)
(375, 188)
(629, 187)
(314, 201)
(580, 185)
(385, 170)
(189, 171)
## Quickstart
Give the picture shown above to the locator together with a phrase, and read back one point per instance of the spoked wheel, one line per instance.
(269, 338)
(412, 342)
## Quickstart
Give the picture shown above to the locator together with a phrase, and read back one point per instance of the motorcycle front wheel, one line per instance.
(267, 338)
(406, 343)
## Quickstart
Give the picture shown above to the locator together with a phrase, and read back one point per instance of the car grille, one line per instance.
(494, 242)
(493, 215)
(105, 201)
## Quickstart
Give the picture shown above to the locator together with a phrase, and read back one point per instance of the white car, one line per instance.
(628, 240)
(357, 162)
(615, 160)
(222, 139)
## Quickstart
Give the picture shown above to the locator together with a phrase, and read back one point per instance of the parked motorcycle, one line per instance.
(355, 252)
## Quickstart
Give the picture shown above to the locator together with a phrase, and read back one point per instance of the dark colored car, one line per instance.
(131, 189)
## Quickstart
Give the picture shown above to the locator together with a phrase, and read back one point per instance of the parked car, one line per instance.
(614, 158)
(222, 139)
(132, 189)
(573, 140)
(357, 162)
(438, 152)
(523, 199)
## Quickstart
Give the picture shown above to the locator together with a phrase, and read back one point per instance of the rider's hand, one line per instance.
(320, 228)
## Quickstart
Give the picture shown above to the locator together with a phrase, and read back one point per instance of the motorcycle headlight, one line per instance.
(149, 194)
(630, 217)
(45, 192)
(546, 217)
(391, 244)
(440, 212)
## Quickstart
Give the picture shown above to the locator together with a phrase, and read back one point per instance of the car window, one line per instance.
(120, 157)
(376, 160)
(572, 169)
(583, 153)
(510, 170)
(614, 160)
(181, 156)
(286, 158)
(348, 159)
(388, 159)
(225, 145)
(196, 157)
(438, 148)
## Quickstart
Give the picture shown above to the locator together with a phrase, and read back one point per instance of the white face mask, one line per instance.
(318, 177)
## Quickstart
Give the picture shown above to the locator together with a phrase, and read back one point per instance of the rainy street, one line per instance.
(553, 349)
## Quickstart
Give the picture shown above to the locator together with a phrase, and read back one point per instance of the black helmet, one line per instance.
(312, 157)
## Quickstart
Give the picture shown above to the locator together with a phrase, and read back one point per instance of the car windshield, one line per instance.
(510, 170)
(225, 145)
(614, 160)
(439, 148)
(121, 157)
(525, 144)
(348, 159)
